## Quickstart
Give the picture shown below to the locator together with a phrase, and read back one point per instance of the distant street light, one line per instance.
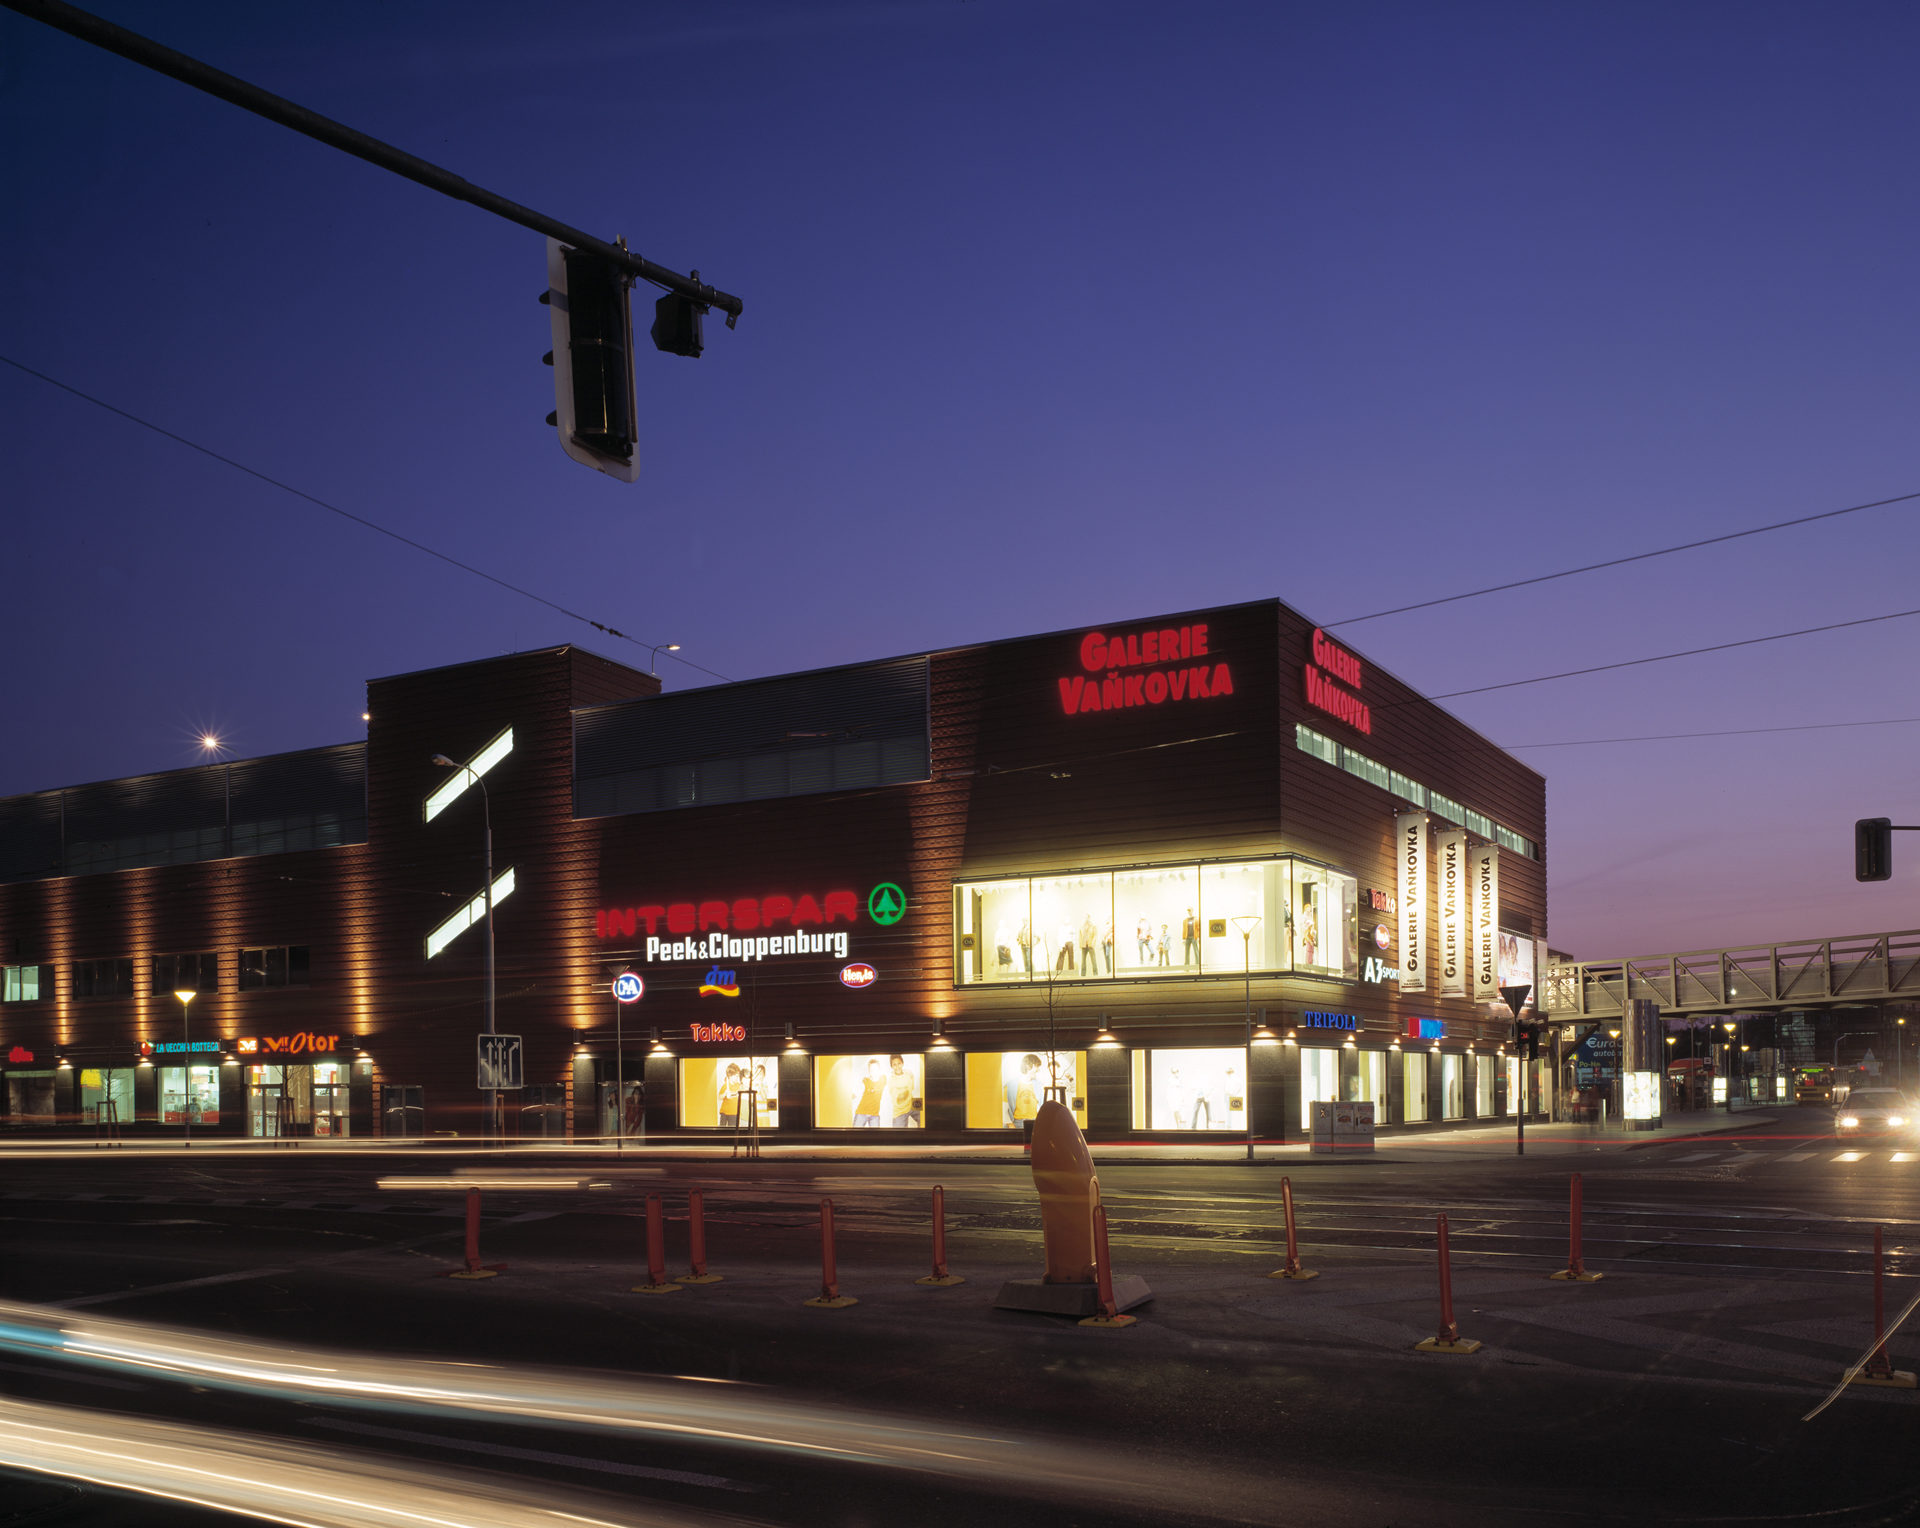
(186, 996)
(655, 651)
(1247, 923)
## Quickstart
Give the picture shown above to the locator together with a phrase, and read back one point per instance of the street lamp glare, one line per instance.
(185, 994)
(444, 762)
(209, 741)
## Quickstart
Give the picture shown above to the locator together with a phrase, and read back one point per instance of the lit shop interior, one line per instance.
(1284, 914)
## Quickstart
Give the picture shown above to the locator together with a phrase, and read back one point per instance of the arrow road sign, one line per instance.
(499, 1062)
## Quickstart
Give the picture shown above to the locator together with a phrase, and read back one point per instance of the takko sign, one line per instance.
(717, 1034)
(1333, 662)
(1138, 668)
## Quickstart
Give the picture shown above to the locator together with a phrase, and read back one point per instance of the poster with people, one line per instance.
(872, 1092)
(716, 1092)
(1006, 1088)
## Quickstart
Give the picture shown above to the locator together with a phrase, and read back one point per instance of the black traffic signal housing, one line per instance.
(676, 324)
(1526, 1041)
(592, 360)
(1873, 849)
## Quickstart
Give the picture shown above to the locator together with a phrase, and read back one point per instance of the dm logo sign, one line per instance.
(719, 983)
(886, 904)
(627, 987)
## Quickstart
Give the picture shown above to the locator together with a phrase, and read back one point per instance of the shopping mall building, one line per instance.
(1194, 873)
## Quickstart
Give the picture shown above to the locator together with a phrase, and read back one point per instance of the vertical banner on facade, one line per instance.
(1450, 848)
(1410, 855)
(1483, 866)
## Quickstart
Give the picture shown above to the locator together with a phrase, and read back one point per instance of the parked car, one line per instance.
(1875, 1111)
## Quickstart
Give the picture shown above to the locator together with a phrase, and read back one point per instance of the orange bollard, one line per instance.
(474, 1270)
(1103, 1276)
(1449, 1340)
(697, 1243)
(829, 1297)
(1879, 1369)
(940, 1275)
(656, 1252)
(1575, 1272)
(1293, 1270)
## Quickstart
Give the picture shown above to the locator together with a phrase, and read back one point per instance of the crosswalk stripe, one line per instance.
(1797, 1156)
(1850, 1156)
(1697, 1156)
(1903, 1156)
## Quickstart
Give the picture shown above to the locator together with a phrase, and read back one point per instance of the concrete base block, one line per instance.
(1898, 1379)
(1129, 1290)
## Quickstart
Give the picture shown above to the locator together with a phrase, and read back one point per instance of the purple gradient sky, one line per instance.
(1056, 314)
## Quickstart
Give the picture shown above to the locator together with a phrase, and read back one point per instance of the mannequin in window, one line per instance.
(1190, 940)
(1165, 946)
(1088, 934)
(1064, 961)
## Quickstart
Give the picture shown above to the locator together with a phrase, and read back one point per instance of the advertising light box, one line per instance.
(875, 1091)
(1006, 1088)
(1640, 1098)
(713, 1088)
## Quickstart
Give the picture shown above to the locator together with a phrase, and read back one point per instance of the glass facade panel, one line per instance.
(1483, 1071)
(995, 924)
(1230, 896)
(1319, 1078)
(713, 1091)
(1368, 1084)
(1071, 914)
(1414, 1099)
(1193, 1089)
(869, 1092)
(1150, 907)
(1453, 1095)
(204, 1082)
(1006, 1088)
(1323, 920)
(106, 1095)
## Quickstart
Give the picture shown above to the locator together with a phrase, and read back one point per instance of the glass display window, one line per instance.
(714, 1089)
(1006, 1088)
(1413, 1099)
(1453, 1096)
(1323, 920)
(1230, 895)
(30, 1097)
(1368, 1084)
(1150, 908)
(106, 1095)
(1513, 1084)
(874, 1091)
(1192, 1089)
(995, 923)
(1319, 1077)
(1484, 1070)
(1073, 925)
(195, 1088)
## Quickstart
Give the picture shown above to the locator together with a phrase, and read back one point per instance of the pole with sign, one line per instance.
(1516, 1000)
(627, 988)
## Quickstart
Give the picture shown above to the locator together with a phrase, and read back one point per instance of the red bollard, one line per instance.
(1103, 1275)
(1293, 1270)
(473, 1270)
(1575, 1272)
(697, 1244)
(656, 1252)
(829, 1297)
(1449, 1340)
(1879, 1369)
(940, 1275)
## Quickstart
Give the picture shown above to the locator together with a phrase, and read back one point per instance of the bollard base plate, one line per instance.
(492, 1272)
(831, 1302)
(1111, 1321)
(1577, 1276)
(700, 1278)
(1294, 1273)
(944, 1280)
(1441, 1345)
(656, 1289)
(1899, 1379)
(1047, 1299)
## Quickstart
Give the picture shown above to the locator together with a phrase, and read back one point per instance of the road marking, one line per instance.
(536, 1455)
(1850, 1156)
(1697, 1156)
(1798, 1156)
(1903, 1156)
(167, 1289)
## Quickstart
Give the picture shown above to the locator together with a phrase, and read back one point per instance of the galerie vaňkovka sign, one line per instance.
(1333, 667)
(1144, 668)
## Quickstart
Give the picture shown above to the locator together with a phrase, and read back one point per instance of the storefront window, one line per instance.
(1164, 920)
(629, 1121)
(714, 1089)
(1414, 1102)
(1368, 1084)
(331, 1109)
(204, 1082)
(1484, 1069)
(1190, 1089)
(1453, 1097)
(106, 1095)
(30, 1098)
(1513, 1084)
(869, 1092)
(1319, 1078)
(1006, 1088)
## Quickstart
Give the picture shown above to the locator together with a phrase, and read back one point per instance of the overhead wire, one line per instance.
(1668, 737)
(347, 514)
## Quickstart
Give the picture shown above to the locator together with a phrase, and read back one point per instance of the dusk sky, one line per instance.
(1056, 314)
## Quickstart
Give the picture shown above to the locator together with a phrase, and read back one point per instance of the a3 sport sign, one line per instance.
(777, 926)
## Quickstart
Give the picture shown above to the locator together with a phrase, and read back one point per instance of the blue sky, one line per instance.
(1056, 314)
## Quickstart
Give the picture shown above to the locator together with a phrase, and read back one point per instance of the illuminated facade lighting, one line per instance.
(461, 778)
(469, 915)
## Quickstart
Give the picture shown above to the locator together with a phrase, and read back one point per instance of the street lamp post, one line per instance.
(657, 649)
(1732, 1027)
(1247, 923)
(486, 826)
(186, 996)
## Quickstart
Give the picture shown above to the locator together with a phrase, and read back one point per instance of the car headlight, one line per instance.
(1848, 1122)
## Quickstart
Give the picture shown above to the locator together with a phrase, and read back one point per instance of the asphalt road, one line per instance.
(1737, 1287)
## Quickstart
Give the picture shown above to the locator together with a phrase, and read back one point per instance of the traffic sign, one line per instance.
(627, 987)
(500, 1062)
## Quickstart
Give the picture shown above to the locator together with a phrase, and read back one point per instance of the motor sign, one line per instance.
(627, 987)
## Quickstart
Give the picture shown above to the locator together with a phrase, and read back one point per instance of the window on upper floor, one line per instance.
(26, 984)
(278, 965)
(111, 977)
(185, 973)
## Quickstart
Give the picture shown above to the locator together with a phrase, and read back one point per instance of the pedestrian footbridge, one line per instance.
(1811, 973)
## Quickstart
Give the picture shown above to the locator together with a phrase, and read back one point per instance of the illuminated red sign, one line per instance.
(859, 974)
(19, 1055)
(288, 1045)
(1330, 662)
(718, 1034)
(1156, 651)
(742, 914)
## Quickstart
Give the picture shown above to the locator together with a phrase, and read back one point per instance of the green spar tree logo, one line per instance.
(886, 903)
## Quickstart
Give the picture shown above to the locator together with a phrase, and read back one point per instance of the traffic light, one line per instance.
(592, 360)
(1526, 1041)
(1873, 849)
(676, 324)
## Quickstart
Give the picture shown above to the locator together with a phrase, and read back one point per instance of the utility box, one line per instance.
(1339, 1127)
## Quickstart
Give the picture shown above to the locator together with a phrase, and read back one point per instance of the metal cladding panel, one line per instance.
(30, 836)
(316, 780)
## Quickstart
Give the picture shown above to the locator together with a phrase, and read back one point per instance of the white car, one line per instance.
(1875, 1111)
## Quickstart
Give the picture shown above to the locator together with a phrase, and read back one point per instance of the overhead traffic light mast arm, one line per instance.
(190, 71)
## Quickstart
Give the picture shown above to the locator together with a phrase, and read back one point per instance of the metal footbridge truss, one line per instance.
(1810, 973)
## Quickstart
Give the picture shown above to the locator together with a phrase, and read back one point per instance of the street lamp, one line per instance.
(655, 651)
(1247, 923)
(486, 824)
(186, 996)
